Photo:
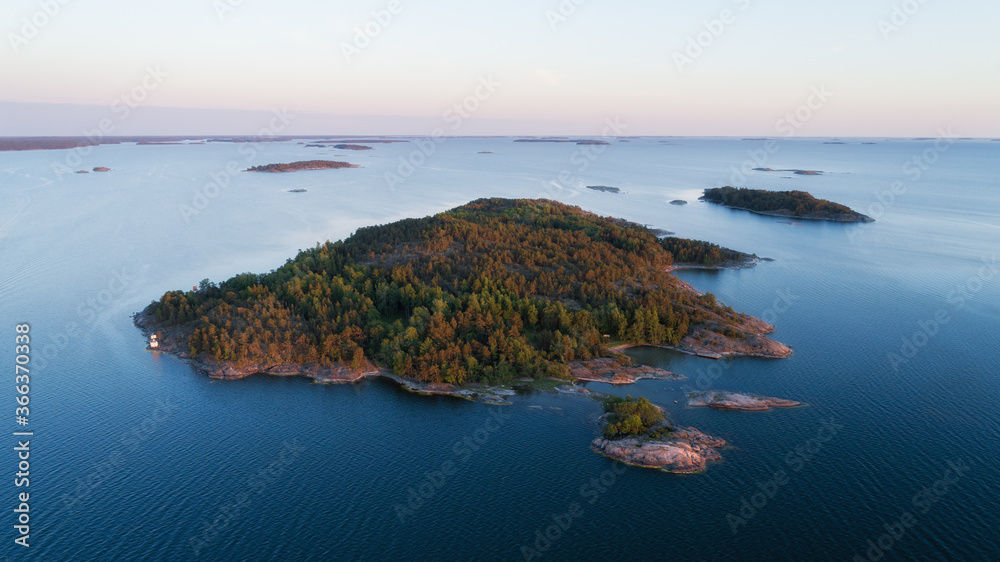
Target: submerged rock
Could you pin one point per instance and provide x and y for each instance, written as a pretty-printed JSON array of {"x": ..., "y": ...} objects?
[{"x": 723, "y": 400}]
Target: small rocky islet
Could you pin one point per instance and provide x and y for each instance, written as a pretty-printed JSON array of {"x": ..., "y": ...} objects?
[{"x": 724, "y": 400}]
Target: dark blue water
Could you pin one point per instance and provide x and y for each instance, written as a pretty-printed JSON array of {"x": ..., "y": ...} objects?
[{"x": 137, "y": 457}]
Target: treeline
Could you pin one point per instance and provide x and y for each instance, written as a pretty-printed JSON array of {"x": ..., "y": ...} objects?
[
  {"x": 490, "y": 291},
  {"x": 630, "y": 417},
  {"x": 798, "y": 203},
  {"x": 699, "y": 252}
]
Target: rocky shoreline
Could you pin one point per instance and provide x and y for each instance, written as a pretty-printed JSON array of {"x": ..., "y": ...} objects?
[
  {"x": 611, "y": 372},
  {"x": 746, "y": 263},
  {"x": 704, "y": 342},
  {"x": 786, "y": 214},
  {"x": 679, "y": 450},
  {"x": 789, "y": 215},
  {"x": 172, "y": 340},
  {"x": 683, "y": 450}
]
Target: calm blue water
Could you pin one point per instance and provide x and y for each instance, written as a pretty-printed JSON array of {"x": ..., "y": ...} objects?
[{"x": 137, "y": 457}]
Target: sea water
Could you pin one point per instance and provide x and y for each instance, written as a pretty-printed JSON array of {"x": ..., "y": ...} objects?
[{"x": 894, "y": 326}]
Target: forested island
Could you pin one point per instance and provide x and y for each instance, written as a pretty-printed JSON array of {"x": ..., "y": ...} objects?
[
  {"x": 300, "y": 166},
  {"x": 489, "y": 292},
  {"x": 798, "y": 204}
]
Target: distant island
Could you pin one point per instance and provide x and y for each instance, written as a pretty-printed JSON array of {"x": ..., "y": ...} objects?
[
  {"x": 300, "y": 166},
  {"x": 797, "y": 204},
  {"x": 794, "y": 171},
  {"x": 62, "y": 143},
  {"x": 352, "y": 147},
  {"x": 604, "y": 188},
  {"x": 369, "y": 141},
  {"x": 487, "y": 293},
  {"x": 565, "y": 140}
]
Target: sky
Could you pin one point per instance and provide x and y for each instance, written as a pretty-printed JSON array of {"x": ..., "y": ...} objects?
[{"x": 883, "y": 68}]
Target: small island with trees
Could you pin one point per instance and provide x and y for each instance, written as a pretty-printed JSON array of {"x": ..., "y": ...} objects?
[
  {"x": 300, "y": 166},
  {"x": 797, "y": 204},
  {"x": 636, "y": 432}
]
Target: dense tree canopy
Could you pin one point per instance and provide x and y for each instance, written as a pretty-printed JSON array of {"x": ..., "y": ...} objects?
[
  {"x": 630, "y": 416},
  {"x": 687, "y": 251},
  {"x": 489, "y": 291}
]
